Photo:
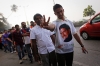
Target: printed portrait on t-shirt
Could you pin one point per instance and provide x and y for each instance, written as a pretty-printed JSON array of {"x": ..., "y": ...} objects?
[{"x": 65, "y": 32}]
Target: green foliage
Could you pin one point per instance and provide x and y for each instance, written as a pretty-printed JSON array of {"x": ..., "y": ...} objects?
[
  {"x": 88, "y": 11},
  {"x": 4, "y": 25},
  {"x": 80, "y": 21},
  {"x": 14, "y": 8}
]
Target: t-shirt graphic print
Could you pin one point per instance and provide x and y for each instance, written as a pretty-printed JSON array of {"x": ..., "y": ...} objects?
[{"x": 65, "y": 32}]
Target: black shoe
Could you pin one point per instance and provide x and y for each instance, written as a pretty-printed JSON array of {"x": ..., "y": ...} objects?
[
  {"x": 1, "y": 48},
  {"x": 31, "y": 61},
  {"x": 5, "y": 51}
]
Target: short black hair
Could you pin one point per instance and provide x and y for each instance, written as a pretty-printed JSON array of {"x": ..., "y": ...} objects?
[
  {"x": 37, "y": 15},
  {"x": 13, "y": 27},
  {"x": 64, "y": 26},
  {"x": 16, "y": 26},
  {"x": 5, "y": 30},
  {"x": 10, "y": 29},
  {"x": 56, "y": 6},
  {"x": 31, "y": 22},
  {"x": 22, "y": 22}
]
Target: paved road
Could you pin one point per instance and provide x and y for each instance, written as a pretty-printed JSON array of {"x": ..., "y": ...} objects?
[
  {"x": 90, "y": 59},
  {"x": 80, "y": 59}
]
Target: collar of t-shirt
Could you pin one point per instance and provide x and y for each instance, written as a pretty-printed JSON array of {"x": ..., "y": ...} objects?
[
  {"x": 61, "y": 19},
  {"x": 38, "y": 26}
]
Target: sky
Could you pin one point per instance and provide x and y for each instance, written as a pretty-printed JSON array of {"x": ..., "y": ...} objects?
[{"x": 73, "y": 9}]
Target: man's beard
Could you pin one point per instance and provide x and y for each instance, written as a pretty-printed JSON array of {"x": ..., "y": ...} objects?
[{"x": 24, "y": 26}]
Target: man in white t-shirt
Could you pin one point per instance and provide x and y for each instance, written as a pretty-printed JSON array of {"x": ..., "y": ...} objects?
[
  {"x": 26, "y": 35},
  {"x": 42, "y": 43},
  {"x": 32, "y": 24},
  {"x": 65, "y": 31}
]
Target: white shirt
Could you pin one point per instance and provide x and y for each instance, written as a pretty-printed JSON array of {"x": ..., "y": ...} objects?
[
  {"x": 67, "y": 43},
  {"x": 27, "y": 39},
  {"x": 43, "y": 39}
]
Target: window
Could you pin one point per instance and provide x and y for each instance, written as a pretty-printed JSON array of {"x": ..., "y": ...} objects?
[{"x": 96, "y": 19}]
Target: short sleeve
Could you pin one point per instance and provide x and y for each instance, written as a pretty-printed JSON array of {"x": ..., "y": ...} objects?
[
  {"x": 51, "y": 33},
  {"x": 73, "y": 28},
  {"x": 32, "y": 34},
  {"x": 54, "y": 22},
  {"x": 5, "y": 36}
]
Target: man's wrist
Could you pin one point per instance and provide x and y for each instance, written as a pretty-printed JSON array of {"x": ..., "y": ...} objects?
[{"x": 82, "y": 45}]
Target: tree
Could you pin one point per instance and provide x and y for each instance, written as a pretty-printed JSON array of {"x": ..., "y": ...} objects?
[
  {"x": 3, "y": 19},
  {"x": 14, "y": 8},
  {"x": 88, "y": 11},
  {"x": 3, "y": 23}
]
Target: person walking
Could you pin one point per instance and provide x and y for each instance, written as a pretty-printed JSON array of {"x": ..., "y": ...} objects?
[
  {"x": 26, "y": 35},
  {"x": 18, "y": 39}
]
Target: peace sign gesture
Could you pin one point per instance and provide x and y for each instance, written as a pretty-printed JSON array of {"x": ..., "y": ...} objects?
[{"x": 45, "y": 24}]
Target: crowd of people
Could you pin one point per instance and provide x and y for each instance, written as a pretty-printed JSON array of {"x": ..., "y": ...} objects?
[
  {"x": 49, "y": 44},
  {"x": 17, "y": 40}
]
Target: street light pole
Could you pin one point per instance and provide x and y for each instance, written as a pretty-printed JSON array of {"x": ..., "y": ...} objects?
[
  {"x": 25, "y": 12},
  {"x": 54, "y": 2},
  {"x": 26, "y": 17}
]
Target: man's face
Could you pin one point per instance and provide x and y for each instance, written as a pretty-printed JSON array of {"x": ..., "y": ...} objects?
[
  {"x": 11, "y": 31},
  {"x": 17, "y": 28},
  {"x": 64, "y": 33},
  {"x": 13, "y": 28},
  {"x": 23, "y": 25},
  {"x": 39, "y": 20},
  {"x": 59, "y": 12},
  {"x": 32, "y": 23},
  {"x": 5, "y": 31}
]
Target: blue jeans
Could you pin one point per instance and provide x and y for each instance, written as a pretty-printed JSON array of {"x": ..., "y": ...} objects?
[
  {"x": 20, "y": 50},
  {"x": 28, "y": 49},
  {"x": 5, "y": 44},
  {"x": 6, "y": 48},
  {"x": 10, "y": 46}
]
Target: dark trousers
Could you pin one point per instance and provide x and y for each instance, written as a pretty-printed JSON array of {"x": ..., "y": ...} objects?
[
  {"x": 1, "y": 46},
  {"x": 49, "y": 59},
  {"x": 28, "y": 49},
  {"x": 65, "y": 59}
]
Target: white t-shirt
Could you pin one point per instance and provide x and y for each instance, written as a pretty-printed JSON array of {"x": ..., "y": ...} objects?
[
  {"x": 27, "y": 39},
  {"x": 43, "y": 39},
  {"x": 61, "y": 39}
]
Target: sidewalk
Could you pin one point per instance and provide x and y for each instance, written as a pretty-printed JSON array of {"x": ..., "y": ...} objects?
[{"x": 8, "y": 59}]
